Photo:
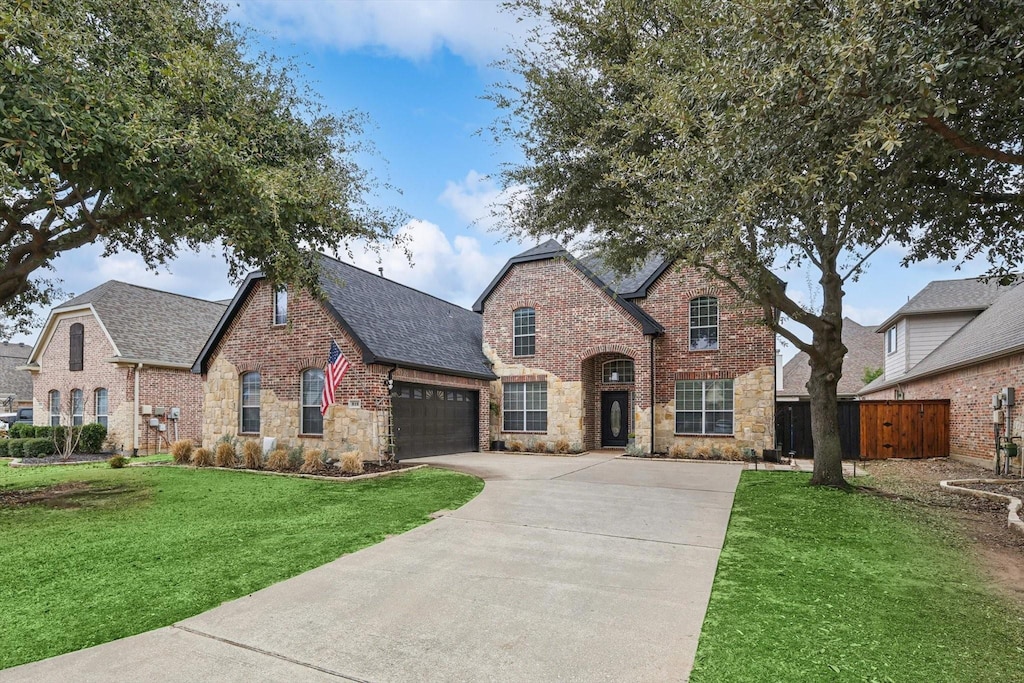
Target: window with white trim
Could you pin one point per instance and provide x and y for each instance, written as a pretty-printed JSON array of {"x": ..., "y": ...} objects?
[
  {"x": 617, "y": 371},
  {"x": 77, "y": 407},
  {"x": 890, "y": 340},
  {"x": 525, "y": 407},
  {"x": 54, "y": 408},
  {"x": 250, "y": 413},
  {"x": 280, "y": 306},
  {"x": 524, "y": 332},
  {"x": 312, "y": 396},
  {"x": 100, "y": 401},
  {"x": 704, "y": 323},
  {"x": 704, "y": 406}
]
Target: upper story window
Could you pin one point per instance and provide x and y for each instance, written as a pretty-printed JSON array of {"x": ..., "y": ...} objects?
[
  {"x": 704, "y": 323},
  {"x": 101, "y": 406},
  {"x": 250, "y": 415},
  {"x": 77, "y": 350},
  {"x": 54, "y": 408},
  {"x": 617, "y": 371},
  {"x": 280, "y": 306},
  {"x": 312, "y": 397},
  {"x": 890, "y": 340},
  {"x": 524, "y": 332}
]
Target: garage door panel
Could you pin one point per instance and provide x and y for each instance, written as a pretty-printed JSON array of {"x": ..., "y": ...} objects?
[{"x": 432, "y": 420}]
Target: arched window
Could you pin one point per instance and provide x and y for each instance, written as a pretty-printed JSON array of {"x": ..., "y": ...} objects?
[
  {"x": 77, "y": 407},
  {"x": 312, "y": 393},
  {"x": 620, "y": 370},
  {"x": 704, "y": 323},
  {"x": 54, "y": 408},
  {"x": 250, "y": 414},
  {"x": 524, "y": 328},
  {"x": 77, "y": 350},
  {"x": 100, "y": 401}
]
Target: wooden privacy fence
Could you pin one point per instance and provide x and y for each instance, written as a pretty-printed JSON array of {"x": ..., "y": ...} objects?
[
  {"x": 904, "y": 429},
  {"x": 793, "y": 428}
]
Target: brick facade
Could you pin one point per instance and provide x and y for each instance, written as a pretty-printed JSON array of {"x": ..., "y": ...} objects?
[
  {"x": 280, "y": 353},
  {"x": 969, "y": 391},
  {"x": 579, "y": 327}
]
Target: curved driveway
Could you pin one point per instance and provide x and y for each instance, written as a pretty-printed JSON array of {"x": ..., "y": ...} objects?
[{"x": 570, "y": 569}]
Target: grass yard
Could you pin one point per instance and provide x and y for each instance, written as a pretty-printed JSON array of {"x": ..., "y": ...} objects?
[
  {"x": 111, "y": 553},
  {"x": 820, "y": 585}
]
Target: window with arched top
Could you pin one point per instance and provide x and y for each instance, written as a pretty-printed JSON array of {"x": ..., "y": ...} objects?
[
  {"x": 617, "y": 371},
  {"x": 54, "y": 397},
  {"x": 250, "y": 413},
  {"x": 77, "y": 407},
  {"x": 704, "y": 323},
  {"x": 100, "y": 401},
  {"x": 76, "y": 352},
  {"x": 312, "y": 397},
  {"x": 524, "y": 332}
]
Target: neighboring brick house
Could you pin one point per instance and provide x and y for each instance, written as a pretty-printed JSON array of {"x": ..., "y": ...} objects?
[
  {"x": 961, "y": 340},
  {"x": 572, "y": 343},
  {"x": 15, "y": 383},
  {"x": 122, "y": 355},
  {"x": 415, "y": 359}
]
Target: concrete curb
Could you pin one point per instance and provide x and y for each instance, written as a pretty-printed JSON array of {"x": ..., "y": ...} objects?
[
  {"x": 1013, "y": 505},
  {"x": 713, "y": 462},
  {"x": 541, "y": 455},
  {"x": 297, "y": 475},
  {"x": 17, "y": 462}
]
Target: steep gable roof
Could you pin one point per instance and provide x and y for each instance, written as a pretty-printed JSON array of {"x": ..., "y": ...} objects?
[
  {"x": 949, "y": 296},
  {"x": 553, "y": 250},
  {"x": 864, "y": 350},
  {"x": 146, "y": 324},
  {"x": 393, "y": 324}
]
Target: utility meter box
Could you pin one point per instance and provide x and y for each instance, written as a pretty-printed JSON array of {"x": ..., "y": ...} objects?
[
  {"x": 153, "y": 422},
  {"x": 174, "y": 413},
  {"x": 163, "y": 428},
  {"x": 146, "y": 410},
  {"x": 1008, "y": 396},
  {"x": 997, "y": 417},
  {"x": 159, "y": 411}
]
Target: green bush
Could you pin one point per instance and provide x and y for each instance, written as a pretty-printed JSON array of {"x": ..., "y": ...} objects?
[
  {"x": 43, "y": 432},
  {"x": 16, "y": 448},
  {"x": 93, "y": 436},
  {"x": 118, "y": 461},
  {"x": 3, "y": 447},
  {"x": 21, "y": 430},
  {"x": 37, "y": 448},
  {"x": 58, "y": 434}
]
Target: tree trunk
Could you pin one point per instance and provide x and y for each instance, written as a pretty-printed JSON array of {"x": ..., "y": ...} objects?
[{"x": 828, "y": 455}]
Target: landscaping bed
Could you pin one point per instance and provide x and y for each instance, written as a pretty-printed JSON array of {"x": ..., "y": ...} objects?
[{"x": 75, "y": 459}]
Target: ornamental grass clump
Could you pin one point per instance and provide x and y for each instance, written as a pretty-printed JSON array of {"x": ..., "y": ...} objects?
[
  {"x": 181, "y": 451},
  {"x": 252, "y": 455},
  {"x": 515, "y": 445},
  {"x": 561, "y": 446},
  {"x": 312, "y": 462},
  {"x": 678, "y": 450},
  {"x": 202, "y": 457},
  {"x": 278, "y": 460},
  {"x": 731, "y": 452},
  {"x": 351, "y": 462},
  {"x": 226, "y": 454}
]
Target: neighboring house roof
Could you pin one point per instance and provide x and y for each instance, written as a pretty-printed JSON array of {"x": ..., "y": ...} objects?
[
  {"x": 13, "y": 380},
  {"x": 553, "y": 250},
  {"x": 145, "y": 325},
  {"x": 865, "y": 349},
  {"x": 948, "y": 296},
  {"x": 393, "y": 324},
  {"x": 997, "y": 331}
]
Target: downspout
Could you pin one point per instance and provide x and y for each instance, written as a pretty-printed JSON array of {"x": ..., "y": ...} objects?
[
  {"x": 135, "y": 418},
  {"x": 652, "y": 394}
]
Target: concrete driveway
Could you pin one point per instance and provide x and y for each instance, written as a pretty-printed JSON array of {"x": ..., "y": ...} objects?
[{"x": 569, "y": 569}]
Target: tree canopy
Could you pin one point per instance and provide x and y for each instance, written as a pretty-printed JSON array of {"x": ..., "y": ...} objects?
[
  {"x": 145, "y": 126},
  {"x": 751, "y": 138}
]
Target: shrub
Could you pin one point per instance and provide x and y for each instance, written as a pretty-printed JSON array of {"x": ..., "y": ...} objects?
[
  {"x": 312, "y": 462},
  {"x": 515, "y": 445},
  {"x": 576, "y": 448},
  {"x": 118, "y": 461},
  {"x": 202, "y": 457},
  {"x": 295, "y": 458},
  {"x": 678, "y": 450},
  {"x": 561, "y": 446},
  {"x": 252, "y": 455},
  {"x": 21, "y": 430},
  {"x": 36, "y": 448},
  {"x": 113, "y": 442},
  {"x": 226, "y": 454},
  {"x": 731, "y": 452},
  {"x": 181, "y": 451},
  {"x": 702, "y": 452},
  {"x": 716, "y": 453},
  {"x": 44, "y": 432},
  {"x": 93, "y": 436},
  {"x": 16, "y": 448},
  {"x": 351, "y": 462},
  {"x": 540, "y": 447},
  {"x": 3, "y": 447},
  {"x": 278, "y": 460},
  {"x": 635, "y": 450}
]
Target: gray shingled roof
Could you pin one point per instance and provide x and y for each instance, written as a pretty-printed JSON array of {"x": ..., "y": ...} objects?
[
  {"x": 944, "y": 296},
  {"x": 152, "y": 325},
  {"x": 864, "y": 350},
  {"x": 12, "y": 380},
  {"x": 543, "y": 249},
  {"x": 626, "y": 284},
  {"x": 398, "y": 324}
]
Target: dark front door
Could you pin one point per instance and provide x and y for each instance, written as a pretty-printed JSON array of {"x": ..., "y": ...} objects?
[{"x": 614, "y": 418}]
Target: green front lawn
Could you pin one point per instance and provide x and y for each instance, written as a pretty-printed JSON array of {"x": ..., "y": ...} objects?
[
  {"x": 819, "y": 585},
  {"x": 130, "y": 550}
]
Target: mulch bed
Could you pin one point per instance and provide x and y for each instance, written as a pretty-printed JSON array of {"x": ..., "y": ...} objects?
[
  {"x": 48, "y": 494},
  {"x": 75, "y": 459},
  {"x": 369, "y": 467},
  {"x": 1013, "y": 488}
]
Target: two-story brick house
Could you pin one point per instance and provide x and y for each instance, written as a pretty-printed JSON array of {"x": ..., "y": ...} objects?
[{"x": 587, "y": 355}]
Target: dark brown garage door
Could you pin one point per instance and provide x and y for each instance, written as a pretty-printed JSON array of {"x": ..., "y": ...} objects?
[{"x": 433, "y": 420}]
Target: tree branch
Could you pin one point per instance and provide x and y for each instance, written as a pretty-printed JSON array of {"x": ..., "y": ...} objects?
[{"x": 960, "y": 143}]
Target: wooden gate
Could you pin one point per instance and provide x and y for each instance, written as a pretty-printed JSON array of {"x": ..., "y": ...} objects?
[
  {"x": 904, "y": 429},
  {"x": 793, "y": 428}
]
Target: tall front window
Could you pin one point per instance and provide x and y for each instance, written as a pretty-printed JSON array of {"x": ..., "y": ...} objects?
[
  {"x": 890, "y": 340},
  {"x": 525, "y": 407},
  {"x": 77, "y": 350},
  {"x": 77, "y": 407},
  {"x": 280, "y": 306},
  {"x": 312, "y": 391},
  {"x": 100, "y": 401},
  {"x": 704, "y": 406},
  {"x": 250, "y": 403},
  {"x": 704, "y": 323},
  {"x": 54, "y": 408},
  {"x": 524, "y": 326}
]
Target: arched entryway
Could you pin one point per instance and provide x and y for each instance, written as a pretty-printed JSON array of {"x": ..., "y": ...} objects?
[{"x": 609, "y": 381}]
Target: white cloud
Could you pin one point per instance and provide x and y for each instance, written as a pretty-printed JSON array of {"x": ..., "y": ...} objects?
[
  {"x": 475, "y": 198},
  {"x": 477, "y": 31}
]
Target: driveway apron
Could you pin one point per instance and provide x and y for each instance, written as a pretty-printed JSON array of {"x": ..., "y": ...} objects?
[{"x": 563, "y": 569}]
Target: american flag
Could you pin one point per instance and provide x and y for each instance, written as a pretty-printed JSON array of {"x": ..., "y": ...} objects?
[{"x": 337, "y": 366}]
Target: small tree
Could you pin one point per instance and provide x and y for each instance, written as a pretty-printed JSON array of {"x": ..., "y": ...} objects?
[{"x": 67, "y": 435}]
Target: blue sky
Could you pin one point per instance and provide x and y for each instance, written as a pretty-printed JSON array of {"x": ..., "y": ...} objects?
[{"x": 419, "y": 69}]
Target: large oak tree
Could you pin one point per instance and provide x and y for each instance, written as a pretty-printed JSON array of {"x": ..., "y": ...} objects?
[
  {"x": 144, "y": 125},
  {"x": 759, "y": 137}
]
